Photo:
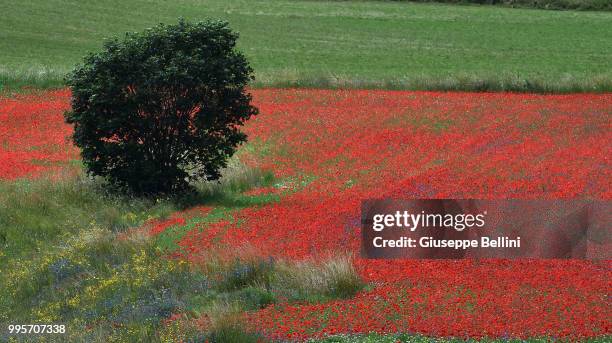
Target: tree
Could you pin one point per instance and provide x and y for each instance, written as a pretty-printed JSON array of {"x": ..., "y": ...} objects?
[{"x": 163, "y": 107}]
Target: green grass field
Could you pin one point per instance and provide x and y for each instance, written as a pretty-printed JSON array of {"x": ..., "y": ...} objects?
[
  {"x": 359, "y": 44},
  {"x": 75, "y": 253}
]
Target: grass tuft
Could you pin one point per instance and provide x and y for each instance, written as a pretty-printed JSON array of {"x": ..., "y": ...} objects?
[
  {"x": 269, "y": 280},
  {"x": 241, "y": 274},
  {"x": 227, "y": 326},
  {"x": 315, "y": 281}
]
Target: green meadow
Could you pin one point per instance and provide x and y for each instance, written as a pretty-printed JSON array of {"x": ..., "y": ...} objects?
[
  {"x": 76, "y": 253},
  {"x": 356, "y": 44}
]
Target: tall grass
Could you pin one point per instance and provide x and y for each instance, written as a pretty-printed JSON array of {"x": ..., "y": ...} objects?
[
  {"x": 332, "y": 278},
  {"x": 462, "y": 82},
  {"x": 249, "y": 283},
  {"x": 37, "y": 213},
  {"x": 37, "y": 77},
  {"x": 310, "y": 280}
]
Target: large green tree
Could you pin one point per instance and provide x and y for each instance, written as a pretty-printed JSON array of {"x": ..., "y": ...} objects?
[{"x": 160, "y": 108}]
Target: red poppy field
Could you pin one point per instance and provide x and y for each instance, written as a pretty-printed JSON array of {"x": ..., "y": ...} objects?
[{"x": 330, "y": 149}]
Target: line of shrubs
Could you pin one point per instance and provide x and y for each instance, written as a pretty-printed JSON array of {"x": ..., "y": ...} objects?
[{"x": 584, "y": 5}]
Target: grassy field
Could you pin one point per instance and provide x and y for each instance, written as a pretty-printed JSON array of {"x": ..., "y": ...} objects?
[
  {"x": 118, "y": 268},
  {"x": 359, "y": 44},
  {"x": 66, "y": 255}
]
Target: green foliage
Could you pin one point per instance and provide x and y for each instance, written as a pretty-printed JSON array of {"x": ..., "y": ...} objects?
[
  {"x": 241, "y": 274},
  {"x": 585, "y": 5},
  {"x": 250, "y": 298},
  {"x": 161, "y": 108},
  {"x": 232, "y": 333},
  {"x": 256, "y": 298}
]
